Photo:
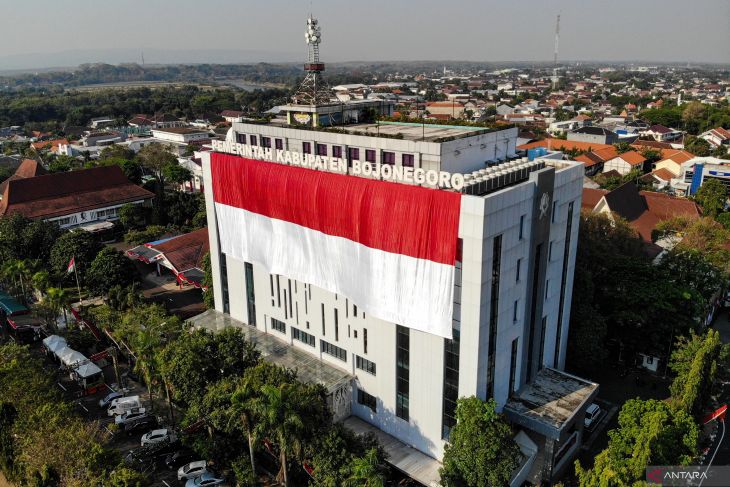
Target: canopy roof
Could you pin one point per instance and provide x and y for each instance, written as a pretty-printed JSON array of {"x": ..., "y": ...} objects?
[
  {"x": 10, "y": 306},
  {"x": 54, "y": 343}
]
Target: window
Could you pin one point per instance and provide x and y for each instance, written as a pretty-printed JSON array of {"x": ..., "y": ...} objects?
[
  {"x": 224, "y": 284},
  {"x": 547, "y": 288},
  {"x": 250, "y": 295},
  {"x": 517, "y": 271},
  {"x": 542, "y": 341},
  {"x": 533, "y": 309},
  {"x": 253, "y": 140},
  {"x": 402, "y": 387},
  {"x": 494, "y": 313},
  {"x": 241, "y": 138},
  {"x": 388, "y": 157},
  {"x": 370, "y": 155},
  {"x": 323, "y": 323},
  {"x": 333, "y": 350},
  {"x": 513, "y": 366},
  {"x": 555, "y": 211},
  {"x": 277, "y": 325},
  {"x": 365, "y": 340},
  {"x": 407, "y": 160},
  {"x": 302, "y": 336},
  {"x": 514, "y": 310},
  {"x": 354, "y": 310},
  {"x": 365, "y": 364},
  {"x": 366, "y": 400},
  {"x": 353, "y": 154},
  {"x": 563, "y": 279},
  {"x": 279, "y": 144},
  {"x": 321, "y": 149},
  {"x": 266, "y": 142},
  {"x": 451, "y": 383},
  {"x": 336, "y": 151},
  {"x": 550, "y": 251},
  {"x": 307, "y": 147},
  {"x": 337, "y": 325},
  {"x": 522, "y": 226}
]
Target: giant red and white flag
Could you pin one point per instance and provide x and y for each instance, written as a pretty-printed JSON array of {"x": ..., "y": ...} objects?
[{"x": 391, "y": 248}]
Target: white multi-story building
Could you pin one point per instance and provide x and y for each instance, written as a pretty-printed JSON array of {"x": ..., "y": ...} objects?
[
  {"x": 309, "y": 257},
  {"x": 517, "y": 229}
]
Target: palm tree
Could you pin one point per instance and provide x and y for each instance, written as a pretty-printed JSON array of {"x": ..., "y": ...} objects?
[
  {"x": 366, "y": 471},
  {"x": 146, "y": 343},
  {"x": 40, "y": 281},
  {"x": 244, "y": 407},
  {"x": 21, "y": 268},
  {"x": 280, "y": 416},
  {"x": 57, "y": 299}
]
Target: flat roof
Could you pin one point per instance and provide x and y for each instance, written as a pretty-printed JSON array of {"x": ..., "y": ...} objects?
[
  {"x": 309, "y": 368},
  {"x": 550, "y": 401},
  {"x": 181, "y": 130},
  {"x": 407, "y": 459},
  {"x": 414, "y": 131}
]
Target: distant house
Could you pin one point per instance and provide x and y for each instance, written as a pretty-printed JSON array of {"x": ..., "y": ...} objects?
[
  {"x": 452, "y": 108},
  {"x": 181, "y": 135},
  {"x": 50, "y": 145},
  {"x": 72, "y": 199},
  {"x": 644, "y": 210},
  {"x": 625, "y": 163},
  {"x": 599, "y": 135},
  {"x": 156, "y": 121},
  {"x": 717, "y": 137},
  {"x": 231, "y": 115},
  {"x": 29, "y": 168},
  {"x": 101, "y": 122},
  {"x": 662, "y": 133},
  {"x": 503, "y": 109}
]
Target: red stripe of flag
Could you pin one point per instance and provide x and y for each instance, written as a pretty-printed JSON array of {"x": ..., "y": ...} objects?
[{"x": 398, "y": 218}]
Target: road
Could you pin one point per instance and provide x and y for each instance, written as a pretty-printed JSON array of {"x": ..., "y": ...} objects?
[{"x": 722, "y": 324}]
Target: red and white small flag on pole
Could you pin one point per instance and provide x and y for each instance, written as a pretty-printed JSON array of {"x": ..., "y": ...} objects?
[{"x": 71, "y": 265}]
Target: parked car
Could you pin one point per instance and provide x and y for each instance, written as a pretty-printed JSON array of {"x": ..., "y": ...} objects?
[
  {"x": 180, "y": 457},
  {"x": 131, "y": 418},
  {"x": 193, "y": 470},
  {"x": 592, "y": 414},
  {"x": 104, "y": 402},
  {"x": 145, "y": 423},
  {"x": 158, "y": 436},
  {"x": 121, "y": 405},
  {"x": 205, "y": 480},
  {"x": 145, "y": 458}
]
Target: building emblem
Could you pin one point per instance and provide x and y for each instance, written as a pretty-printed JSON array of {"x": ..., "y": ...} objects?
[{"x": 544, "y": 205}]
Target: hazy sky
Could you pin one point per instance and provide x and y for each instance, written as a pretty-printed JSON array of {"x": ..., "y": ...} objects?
[{"x": 479, "y": 30}]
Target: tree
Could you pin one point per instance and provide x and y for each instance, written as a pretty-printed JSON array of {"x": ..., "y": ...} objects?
[
  {"x": 289, "y": 414},
  {"x": 82, "y": 246},
  {"x": 724, "y": 219},
  {"x": 692, "y": 115},
  {"x": 63, "y": 163},
  {"x": 116, "y": 151},
  {"x": 56, "y": 300},
  {"x": 697, "y": 146},
  {"x": 622, "y": 147},
  {"x": 41, "y": 281},
  {"x": 367, "y": 471},
  {"x": 130, "y": 167},
  {"x": 182, "y": 207},
  {"x": 22, "y": 238},
  {"x": 696, "y": 361},
  {"x": 481, "y": 450},
  {"x": 133, "y": 216},
  {"x": 649, "y": 433},
  {"x": 110, "y": 267},
  {"x": 199, "y": 358},
  {"x": 156, "y": 157},
  {"x": 176, "y": 173},
  {"x": 711, "y": 196},
  {"x": 208, "y": 298}
]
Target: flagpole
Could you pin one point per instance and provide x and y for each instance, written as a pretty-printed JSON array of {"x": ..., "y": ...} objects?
[{"x": 76, "y": 273}]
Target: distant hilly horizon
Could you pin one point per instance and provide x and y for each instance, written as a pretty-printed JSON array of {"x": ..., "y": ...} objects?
[{"x": 71, "y": 59}]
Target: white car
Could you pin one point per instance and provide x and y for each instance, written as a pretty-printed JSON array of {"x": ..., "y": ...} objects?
[
  {"x": 158, "y": 436},
  {"x": 103, "y": 403},
  {"x": 592, "y": 414},
  {"x": 192, "y": 470},
  {"x": 130, "y": 417},
  {"x": 205, "y": 480}
]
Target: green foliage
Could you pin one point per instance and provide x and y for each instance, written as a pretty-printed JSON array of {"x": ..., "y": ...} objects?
[
  {"x": 199, "y": 358},
  {"x": 125, "y": 477},
  {"x": 21, "y": 238},
  {"x": 208, "y": 297},
  {"x": 694, "y": 117},
  {"x": 724, "y": 219},
  {"x": 133, "y": 217},
  {"x": 649, "y": 433},
  {"x": 149, "y": 234},
  {"x": 176, "y": 173},
  {"x": 182, "y": 208},
  {"x": 611, "y": 182},
  {"x": 130, "y": 167},
  {"x": 697, "y": 146},
  {"x": 481, "y": 450},
  {"x": 63, "y": 163},
  {"x": 110, "y": 267},
  {"x": 81, "y": 245},
  {"x": 695, "y": 360},
  {"x": 711, "y": 196}
]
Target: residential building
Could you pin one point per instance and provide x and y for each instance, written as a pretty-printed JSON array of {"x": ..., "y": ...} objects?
[
  {"x": 694, "y": 172},
  {"x": 181, "y": 135},
  {"x": 73, "y": 199},
  {"x": 625, "y": 162},
  {"x": 594, "y": 134},
  {"x": 29, "y": 168},
  {"x": 717, "y": 137},
  {"x": 661, "y": 133},
  {"x": 231, "y": 115}
]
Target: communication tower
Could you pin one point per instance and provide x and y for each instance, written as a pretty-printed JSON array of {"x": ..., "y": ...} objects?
[{"x": 313, "y": 90}]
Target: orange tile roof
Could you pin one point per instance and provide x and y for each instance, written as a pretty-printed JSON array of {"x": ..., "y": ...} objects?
[
  {"x": 678, "y": 156},
  {"x": 558, "y": 144},
  {"x": 591, "y": 197},
  {"x": 46, "y": 143},
  {"x": 633, "y": 158},
  {"x": 606, "y": 153},
  {"x": 664, "y": 174}
]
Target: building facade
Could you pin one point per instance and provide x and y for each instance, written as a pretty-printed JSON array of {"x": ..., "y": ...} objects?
[{"x": 517, "y": 232}]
